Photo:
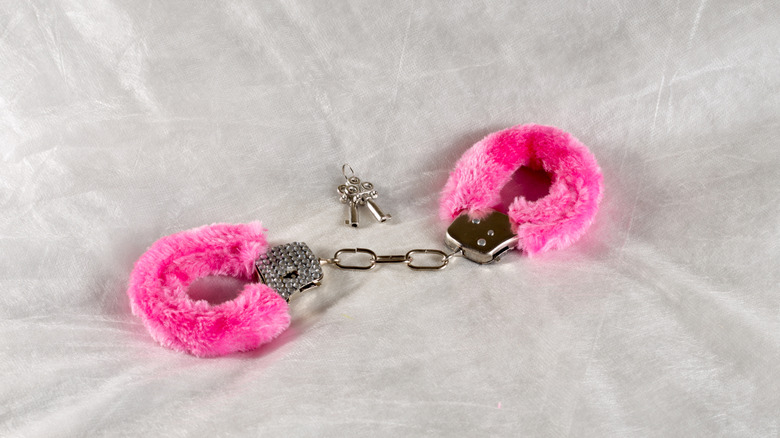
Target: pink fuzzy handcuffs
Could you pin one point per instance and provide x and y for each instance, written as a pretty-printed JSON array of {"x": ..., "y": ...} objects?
[
  {"x": 161, "y": 277},
  {"x": 552, "y": 222}
]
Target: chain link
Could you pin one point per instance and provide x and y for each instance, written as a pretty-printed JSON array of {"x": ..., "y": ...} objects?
[{"x": 372, "y": 259}]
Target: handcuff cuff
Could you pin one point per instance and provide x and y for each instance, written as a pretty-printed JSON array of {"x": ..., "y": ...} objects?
[{"x": 162, "y": 275}]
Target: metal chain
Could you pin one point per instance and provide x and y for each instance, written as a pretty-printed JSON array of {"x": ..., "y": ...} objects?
[{"x": 408, "y": 259}]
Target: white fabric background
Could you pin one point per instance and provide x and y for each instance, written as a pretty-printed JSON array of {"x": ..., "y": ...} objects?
[{"x": 124, "y": 121}]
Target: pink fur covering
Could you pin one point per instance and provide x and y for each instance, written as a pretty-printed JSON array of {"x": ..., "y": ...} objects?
[
  {"x": 552, "y": 222},
  {"x": 159, "y": 282}
]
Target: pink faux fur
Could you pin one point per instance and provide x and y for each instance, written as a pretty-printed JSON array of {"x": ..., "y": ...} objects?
[
  {"x": 552, "y": 222},
  {"x": 159, "y": 282}
]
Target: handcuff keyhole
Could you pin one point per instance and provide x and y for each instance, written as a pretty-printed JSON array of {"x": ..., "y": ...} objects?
[{"x": 291, "y": 275}]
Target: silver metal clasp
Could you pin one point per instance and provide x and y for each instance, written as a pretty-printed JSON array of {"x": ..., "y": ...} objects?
[
  {"x": 482, "y": 240},
  {"x": 289, "y": 269}
]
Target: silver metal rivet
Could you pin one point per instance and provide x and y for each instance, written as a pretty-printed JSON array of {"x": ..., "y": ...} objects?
[
  {"x": 481, "y": 242},
  {"x": 491, "y": 232}
]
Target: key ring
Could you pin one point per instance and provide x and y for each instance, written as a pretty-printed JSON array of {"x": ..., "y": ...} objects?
[
  {"x": 161, "y": 276},
  {"x": 344, "y": 171}
]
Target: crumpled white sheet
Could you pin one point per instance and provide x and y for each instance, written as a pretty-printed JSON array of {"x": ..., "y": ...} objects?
[{"x": 124, "y": 121}]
